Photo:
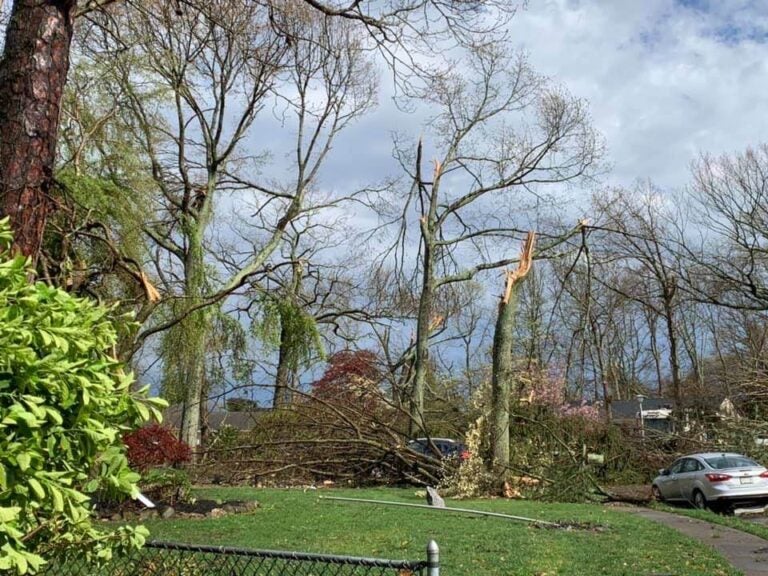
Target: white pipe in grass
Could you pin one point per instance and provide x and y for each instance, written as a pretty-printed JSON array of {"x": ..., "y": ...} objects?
[{"x": 461, "y": 510}]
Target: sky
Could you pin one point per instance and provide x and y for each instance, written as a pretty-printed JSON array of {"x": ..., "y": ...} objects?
[{"x": 665, "y": 80}]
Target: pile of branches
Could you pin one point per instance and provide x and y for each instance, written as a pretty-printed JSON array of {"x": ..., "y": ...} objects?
[{"x": 353, "y": 439}]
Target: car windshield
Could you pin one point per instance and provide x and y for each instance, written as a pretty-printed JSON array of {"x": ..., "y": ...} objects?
[
  {"x": 444, "y": 447},
  {"x": 730, "y": 461}
]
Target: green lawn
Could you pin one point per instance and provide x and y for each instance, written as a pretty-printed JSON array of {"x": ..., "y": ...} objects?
[{"x": 295, "y": 520}]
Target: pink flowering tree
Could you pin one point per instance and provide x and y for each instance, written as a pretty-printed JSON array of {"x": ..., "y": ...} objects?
[{"x": 547, "y": 388}]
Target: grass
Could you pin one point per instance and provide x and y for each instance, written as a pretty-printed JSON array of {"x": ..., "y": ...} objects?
[{"x": 294, "y": 520}]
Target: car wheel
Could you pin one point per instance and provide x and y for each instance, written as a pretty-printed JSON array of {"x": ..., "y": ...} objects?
[
  {"x": 657, "y": 493},
  {"x": 726, "y": 509},
  {"x": 699, "y": 500}
]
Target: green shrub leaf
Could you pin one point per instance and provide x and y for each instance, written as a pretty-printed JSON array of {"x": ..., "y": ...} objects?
[{"x": 65, "y": 403}]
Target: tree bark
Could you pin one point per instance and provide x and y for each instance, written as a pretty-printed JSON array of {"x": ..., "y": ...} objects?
[
  {"x": 283, "y": 395},
  {"x": 501, "y": 380},
  {"x": 503, "y": 359},
  {"x": 670, "y": 288},
  {"x": 287, "y": 361},
  {"x": 196, "y": 329},
  {"x": 33, "y": 72},
  {"x": 423, "y": 322}
]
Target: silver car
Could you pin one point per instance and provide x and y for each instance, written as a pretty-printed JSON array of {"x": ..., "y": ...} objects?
[{"x": 713, "y": 479}]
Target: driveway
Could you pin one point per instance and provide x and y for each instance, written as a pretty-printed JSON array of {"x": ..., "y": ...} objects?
[{"x": 744, "y": 551}]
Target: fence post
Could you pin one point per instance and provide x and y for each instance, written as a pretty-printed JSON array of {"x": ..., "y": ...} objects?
[{"x": 433, "y": 559}]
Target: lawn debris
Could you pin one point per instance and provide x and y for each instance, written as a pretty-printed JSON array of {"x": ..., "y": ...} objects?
[
  {"x": 573, "y": 525},
  {"x": 434, "y": 499},
  {"x": 512, "y": 492}
]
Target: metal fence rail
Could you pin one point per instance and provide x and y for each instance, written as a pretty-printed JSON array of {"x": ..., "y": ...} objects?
[{"x": 170, "y": 559}]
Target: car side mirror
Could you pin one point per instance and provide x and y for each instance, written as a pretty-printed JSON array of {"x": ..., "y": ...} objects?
[{"x": 664, "y": 472}]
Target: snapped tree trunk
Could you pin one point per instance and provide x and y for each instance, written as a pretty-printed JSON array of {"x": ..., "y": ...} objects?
[
  {"x": 421, "y": 360},
  {"x": 33, "y": 71},
  {"x": 503, "y": 359},
  {"x": 424, "y": 320}
]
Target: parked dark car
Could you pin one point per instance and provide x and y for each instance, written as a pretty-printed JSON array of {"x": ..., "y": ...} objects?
[{"x": 439, "y": 448}]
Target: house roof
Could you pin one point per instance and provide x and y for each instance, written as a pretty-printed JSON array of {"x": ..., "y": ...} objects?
[
  {"x": 217, "y": 418},
  {"x": 628, "y": 409}
]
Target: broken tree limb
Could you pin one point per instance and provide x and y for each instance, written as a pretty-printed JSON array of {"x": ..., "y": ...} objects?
[
  {"x": 458, "y": 510},
  {"x": 526, "y": 261}
]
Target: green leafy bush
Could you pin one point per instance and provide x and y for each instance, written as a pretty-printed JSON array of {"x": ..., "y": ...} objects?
[
  {"x": 166, "y": 485},
  {"x": 65, "y": 404}
]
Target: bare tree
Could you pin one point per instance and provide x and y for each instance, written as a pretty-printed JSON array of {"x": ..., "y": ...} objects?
[
  {"x": 219, "y": 66},
  {"x": 503, "y": 135},
  {"x": 35, "y": 61},
  {"x": 308, "y": 302},
  {"x": 728, "y": 249},
  {"x": 202, "y": 59},
  {"x": 640, "y": 236}
]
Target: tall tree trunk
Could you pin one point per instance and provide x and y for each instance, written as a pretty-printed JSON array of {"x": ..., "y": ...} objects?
[
  {"x": 287, "y": 360},
  {"x": 503, "y": 359},
  {"x": 424, "y": 321},
  {"x": 284, "y": 377},
  {"x": 423, "y": 326},
  {"x": 655, "y": 352},
  {"x": 193, "y": 371},
  {"x": 674, "y": 363},
  {"x": 33, "y": 71},
  {"x": 501, "y": 380},
  {"x": 195, "y": 335}
]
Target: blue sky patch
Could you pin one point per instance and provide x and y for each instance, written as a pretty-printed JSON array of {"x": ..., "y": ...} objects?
[{"x": 701, "y": 5}]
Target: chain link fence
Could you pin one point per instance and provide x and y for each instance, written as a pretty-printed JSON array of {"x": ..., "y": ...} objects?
[{"x": 170, "y": 559}]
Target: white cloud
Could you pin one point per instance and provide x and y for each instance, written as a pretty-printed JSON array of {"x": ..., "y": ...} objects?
[{"x": 665, "y": 79}]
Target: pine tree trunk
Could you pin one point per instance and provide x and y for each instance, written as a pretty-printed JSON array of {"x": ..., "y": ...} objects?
[{"x": 33, "y": 72}]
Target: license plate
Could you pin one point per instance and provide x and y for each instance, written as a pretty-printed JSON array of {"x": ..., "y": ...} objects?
[{"x": 746, "y": 480}]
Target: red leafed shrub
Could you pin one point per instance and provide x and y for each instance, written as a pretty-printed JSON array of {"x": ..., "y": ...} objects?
[
  {"x": 155, "y": 445},
  {"x": 352, "y": 376}
]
